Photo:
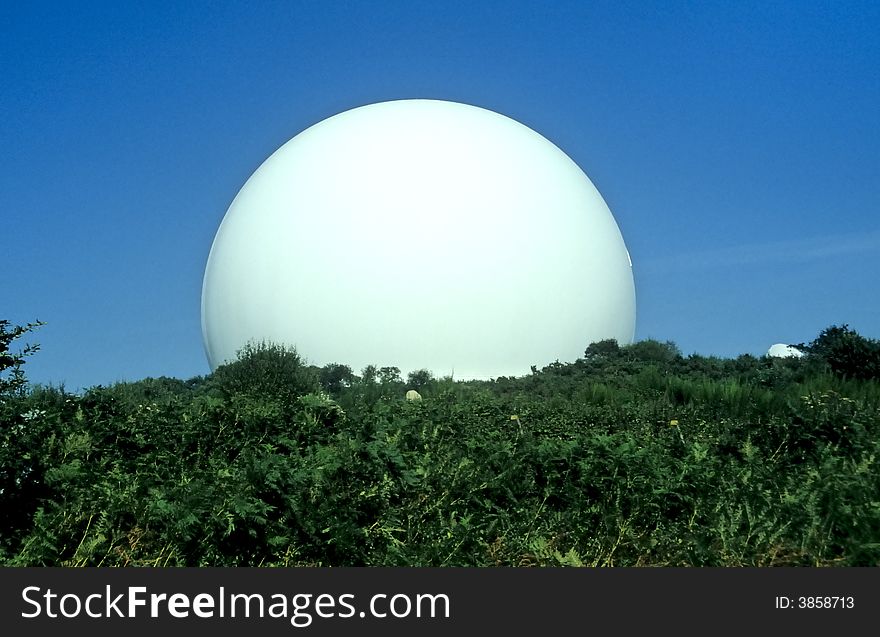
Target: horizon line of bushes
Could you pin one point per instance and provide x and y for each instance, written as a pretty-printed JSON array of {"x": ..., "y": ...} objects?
[{"x": 630, "y": 456}]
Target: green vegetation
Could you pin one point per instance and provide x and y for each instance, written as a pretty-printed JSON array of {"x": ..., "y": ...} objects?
[{"x": 629, "y": 456}]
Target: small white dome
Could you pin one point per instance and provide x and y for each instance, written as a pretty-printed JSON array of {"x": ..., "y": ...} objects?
[{"x": 781, "y": 350}]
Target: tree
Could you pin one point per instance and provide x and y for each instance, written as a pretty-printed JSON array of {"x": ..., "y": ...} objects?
[
  {"x": 21, "y": 435},
  {"x": 389, "y": 375},
  {"x": 652, "y": 351},
  {"x": 335, "y": 377},
  {"x": 419, "y": 378},
  {"x": 368, "y": 374},
  {"x": 267, "y": 369},
  {"x": 11, "y": 362},
  {"x": 846, "y": 352},
  {"x": 604, "y": 349}
]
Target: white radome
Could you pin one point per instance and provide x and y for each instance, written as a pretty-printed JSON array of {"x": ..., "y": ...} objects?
[
  {"x": 419, "y": 234},
  {"x": 781, "y": 350}
]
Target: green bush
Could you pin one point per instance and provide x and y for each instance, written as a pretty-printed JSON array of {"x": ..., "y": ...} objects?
[
  {"x": 847, "y": 353},
  {"x": 265, "y": 369},
  {"x": 613, "y": 460}
]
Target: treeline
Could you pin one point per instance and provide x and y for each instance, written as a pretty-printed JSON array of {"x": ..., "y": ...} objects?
[{"x": 628, "y": 456}]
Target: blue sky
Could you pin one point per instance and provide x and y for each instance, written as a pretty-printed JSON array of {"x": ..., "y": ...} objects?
[{"x": 738, "y": 145}]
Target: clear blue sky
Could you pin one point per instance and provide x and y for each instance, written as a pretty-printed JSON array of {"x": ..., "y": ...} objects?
[{"x": 738, "y": 145}]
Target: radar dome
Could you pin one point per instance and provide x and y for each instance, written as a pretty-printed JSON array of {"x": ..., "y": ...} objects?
[
  {"x": 781, "y": 350},
  {"x": 419, "y": 234}
]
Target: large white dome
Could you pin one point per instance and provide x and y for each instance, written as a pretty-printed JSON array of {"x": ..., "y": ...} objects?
[{"x": 419, "y": 234}]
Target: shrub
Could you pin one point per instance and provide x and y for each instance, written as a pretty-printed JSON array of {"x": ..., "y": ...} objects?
[
  {"x": 847, "y": 353},
  {"x": 266, "y": 369}
]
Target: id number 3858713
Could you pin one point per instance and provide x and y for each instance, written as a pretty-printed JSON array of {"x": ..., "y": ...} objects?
[{"x": 816, "y": 602}]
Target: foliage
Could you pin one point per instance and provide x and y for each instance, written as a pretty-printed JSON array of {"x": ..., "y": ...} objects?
[
  {"x": 607, "y": 348},
  {"x": 847, "y": 353},
  {"x": 630, "y": 456},
  {"x": 334, "y": 377},
  {"x": 21, "y": 431},
  {"x": 266, "y": 369},
  {"x": 11, "y": 362},
  {"x": 651, "y": 351},
  {"x": 388, "y": 375},
  {"x": 419, "y": 379}
]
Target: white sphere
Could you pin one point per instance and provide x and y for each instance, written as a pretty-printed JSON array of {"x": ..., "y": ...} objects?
[
  {"x": 419, "y": 234},
  {"x": 781, "y": 350}
]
